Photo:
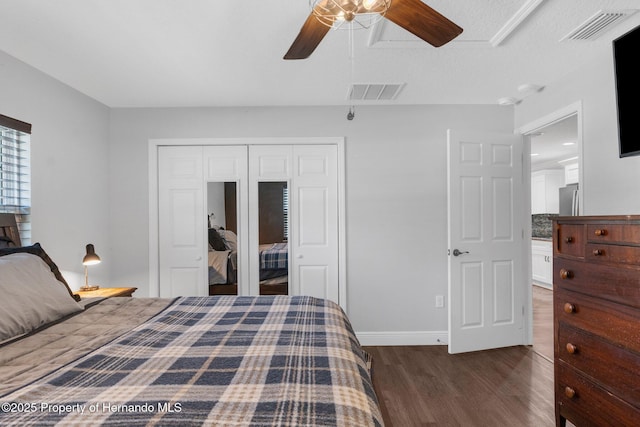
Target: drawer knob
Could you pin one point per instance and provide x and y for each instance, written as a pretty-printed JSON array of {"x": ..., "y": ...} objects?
[
  {"x": 598, "y": 252},
  {"x": 569, "y": 308},
  {"x": 569, "y": 239},
  {"x": 601, "y": 232},
  {"x": 569, "y": 392},
  {"x": 571, "y": 348},
  {"x": 565, "y": 274}
]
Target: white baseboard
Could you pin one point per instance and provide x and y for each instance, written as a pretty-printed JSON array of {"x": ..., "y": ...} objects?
[{"x": 403, "y": 338}]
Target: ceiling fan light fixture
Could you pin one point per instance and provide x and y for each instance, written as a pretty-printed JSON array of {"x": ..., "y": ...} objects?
[{"x": 334, "y": 13}]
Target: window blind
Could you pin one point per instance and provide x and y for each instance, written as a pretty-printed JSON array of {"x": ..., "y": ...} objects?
[
  {"x": 15, "y": 173},
  {"x": 285, "y": 211}
]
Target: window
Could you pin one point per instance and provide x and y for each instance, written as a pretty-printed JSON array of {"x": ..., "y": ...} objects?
[{"x": 15, "y": 173}]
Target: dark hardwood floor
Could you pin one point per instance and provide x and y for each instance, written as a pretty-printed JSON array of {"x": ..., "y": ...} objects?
[
  {"x": 426, "y": 386},
  {"x": 543, "y": 321}
]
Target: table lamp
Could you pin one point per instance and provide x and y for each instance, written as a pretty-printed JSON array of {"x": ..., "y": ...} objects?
[{"x": 89, "y": 259}]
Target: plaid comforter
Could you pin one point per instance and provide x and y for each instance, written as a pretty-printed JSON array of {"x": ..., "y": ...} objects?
[
  {"x": 221, "y": 361},
  {"x": 275, "y": 257}
]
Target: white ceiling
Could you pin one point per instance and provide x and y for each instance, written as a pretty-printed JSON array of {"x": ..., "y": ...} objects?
[
  {"x": 172, "y": 53},
  {"x": 553, "y": 146}
]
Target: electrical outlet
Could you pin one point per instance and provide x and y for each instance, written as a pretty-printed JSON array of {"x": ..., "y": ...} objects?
[{"x": 439, "y": 301}]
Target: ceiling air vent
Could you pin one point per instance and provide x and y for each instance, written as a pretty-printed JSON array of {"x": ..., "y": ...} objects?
[
  {"x": 374, "y": 92},
  {"x": 599, "y": 23}
]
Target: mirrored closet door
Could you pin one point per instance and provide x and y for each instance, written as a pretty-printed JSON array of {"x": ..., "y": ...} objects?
[{"x": 267, "y": 215}]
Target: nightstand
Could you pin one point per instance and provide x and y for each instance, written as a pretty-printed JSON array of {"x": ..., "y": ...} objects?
[{"x": 107, "y": 293}]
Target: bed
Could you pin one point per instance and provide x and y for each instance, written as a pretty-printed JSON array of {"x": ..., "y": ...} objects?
[
  {"x": 218, "y": 360},
  {"x": 223, "y": 263}
]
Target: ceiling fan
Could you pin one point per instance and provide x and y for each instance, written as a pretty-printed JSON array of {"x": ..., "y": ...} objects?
[{"x": 412, "y": 15}]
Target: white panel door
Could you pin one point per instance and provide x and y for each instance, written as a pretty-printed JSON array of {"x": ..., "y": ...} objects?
[
  {"x": 314, "y": 222},
  {"x": 485, "y": 209},
  {"x": 181, "y": 220}
]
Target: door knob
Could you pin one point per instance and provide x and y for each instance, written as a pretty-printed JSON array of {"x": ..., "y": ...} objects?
[
  {"x": 457, "y": 252},
  {"x": 300, "y": 256},
  {"x": 199, "y": 258}
]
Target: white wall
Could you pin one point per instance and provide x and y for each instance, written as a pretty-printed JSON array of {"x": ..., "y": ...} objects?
[
  {"x": 215, "y": 203},
  {"x": 90, "y": 178},
  {"x": 395, "y": 194},
  {"x": 611, "y": 185},
  {"x": 69, "y": 153}
]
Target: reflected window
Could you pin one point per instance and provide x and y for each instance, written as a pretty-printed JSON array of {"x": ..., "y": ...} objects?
[{"x": 285, "y": 210}]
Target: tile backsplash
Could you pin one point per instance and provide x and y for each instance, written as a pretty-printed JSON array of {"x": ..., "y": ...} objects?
[{"x": 541, "y": 225}]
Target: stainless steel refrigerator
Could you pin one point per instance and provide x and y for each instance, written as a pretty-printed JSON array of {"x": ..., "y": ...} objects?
[{"x": 569, "y": 203}]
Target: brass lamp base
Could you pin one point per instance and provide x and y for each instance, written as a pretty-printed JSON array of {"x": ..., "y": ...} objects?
[{"x": 89, "y": 288}]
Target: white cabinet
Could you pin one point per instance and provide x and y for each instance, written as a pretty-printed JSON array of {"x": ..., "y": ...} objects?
[
  {"x": 542, "y": 262},
  {"x": 544, "y": 190},
  {"x": 571, "y": 174}
]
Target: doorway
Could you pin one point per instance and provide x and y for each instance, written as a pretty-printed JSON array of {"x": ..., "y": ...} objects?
[{"x": 554, "y": 144}]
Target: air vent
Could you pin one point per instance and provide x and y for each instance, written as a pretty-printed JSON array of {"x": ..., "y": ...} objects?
[
  {"x": 374, "y": 92},
  {"x": 598, "y": 24}
]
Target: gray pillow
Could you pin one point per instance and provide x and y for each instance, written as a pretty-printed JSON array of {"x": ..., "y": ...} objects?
[
  {"x": 230, "y": 239},
  {"x": 36, "y": 249},
  {"x": 31, "y": 295}
]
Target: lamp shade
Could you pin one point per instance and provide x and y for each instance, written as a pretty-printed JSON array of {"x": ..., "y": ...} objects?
[{"x": 90, "y": 258}]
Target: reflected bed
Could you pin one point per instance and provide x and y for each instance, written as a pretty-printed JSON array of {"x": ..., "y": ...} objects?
[{"x": 223, "y": 265}]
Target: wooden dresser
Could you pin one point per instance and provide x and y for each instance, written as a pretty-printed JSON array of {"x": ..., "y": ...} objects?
[{"x": 596, "y": 298}]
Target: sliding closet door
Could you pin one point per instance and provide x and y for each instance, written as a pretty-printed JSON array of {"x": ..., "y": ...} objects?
[
  {"x": 181, "y": 220},
  {"x": 314, "y": 222}
]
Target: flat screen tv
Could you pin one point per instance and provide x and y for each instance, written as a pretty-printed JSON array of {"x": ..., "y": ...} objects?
[{"x": 625, "y": 54}]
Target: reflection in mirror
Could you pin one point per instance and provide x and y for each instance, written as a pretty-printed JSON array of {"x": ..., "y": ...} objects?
[
  {"x": 273, "y": 226},
  {"x": 222, "y": 235}
]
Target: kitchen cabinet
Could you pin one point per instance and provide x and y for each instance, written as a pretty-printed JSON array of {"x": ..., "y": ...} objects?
[
  {"x": 544, "y": 190},
  {"x": 571, "y": 174},
  {"x": 542, "y": 263}
]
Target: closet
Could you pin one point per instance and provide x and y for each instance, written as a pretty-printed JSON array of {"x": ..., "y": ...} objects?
[{"x": 303, "y": 180}]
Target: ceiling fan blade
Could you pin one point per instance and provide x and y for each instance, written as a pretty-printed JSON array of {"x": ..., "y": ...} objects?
[
  {"x": 423, "y": 21},
  {"x": 310, "y": 36}
]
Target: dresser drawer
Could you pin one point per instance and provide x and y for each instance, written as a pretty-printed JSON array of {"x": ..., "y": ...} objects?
[
  {"x": 587, "y": 404},
  {"x": 569, "y": 240},
  {"x": 619, "y": 284},
  {"x": 613, "y": 233},
  {"x": 614, "y": 367},
  {"x": 614, "y": 254},
  {"x": 618, "y": 323}
]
